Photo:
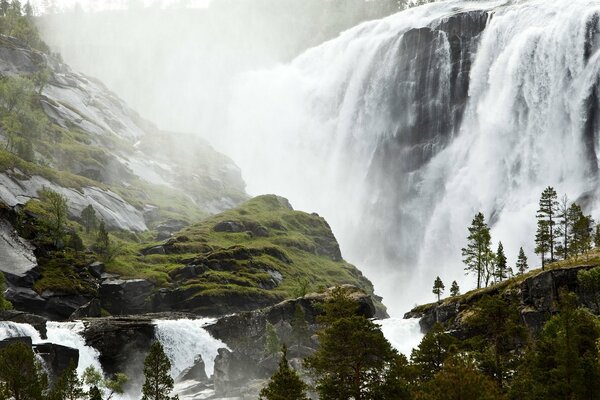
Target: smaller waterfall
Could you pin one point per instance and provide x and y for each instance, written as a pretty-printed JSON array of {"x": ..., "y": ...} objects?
[
  {"x": 62, "y": 333},
  {"x": 403, "y": 334},
  {"x": 185, "y": 339},
  {"x": 69, "y": 334},
  {"x": 10, "y": 329}
]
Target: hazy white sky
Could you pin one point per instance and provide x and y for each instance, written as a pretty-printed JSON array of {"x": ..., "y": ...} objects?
[{"x": 97, "y": 5}]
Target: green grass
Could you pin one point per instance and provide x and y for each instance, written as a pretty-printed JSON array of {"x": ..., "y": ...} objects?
[{"x": 242, "y": 259}]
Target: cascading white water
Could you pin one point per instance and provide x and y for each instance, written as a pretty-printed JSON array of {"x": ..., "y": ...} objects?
[
  {"x": 62, "y": 333},
  {"x": 403, "y": 334},
  {"x": 10, "y": 329},
  {"x": 184, "y": 340},
  {"x": 371, "y": 130},
  {"x": 69, "y": 334}
]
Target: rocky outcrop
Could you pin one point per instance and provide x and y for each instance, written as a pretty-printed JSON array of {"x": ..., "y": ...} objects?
[
  {"x": 244, "y": 366},
  {"x": 121, "y": 342},
  {"x": 49, "y": 304},
  {"x": 56, "y": 358},
  {"x": 539, "y": 296},
  {"x": 38, "y": 322},
  {"x": 124, "y": 297}
]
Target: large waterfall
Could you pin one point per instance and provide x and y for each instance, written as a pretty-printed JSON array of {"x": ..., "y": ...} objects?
[{"x": 400, "y": 130}]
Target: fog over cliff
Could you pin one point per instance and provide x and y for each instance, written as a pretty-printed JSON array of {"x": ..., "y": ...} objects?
[{"x": 397, "y": 131}]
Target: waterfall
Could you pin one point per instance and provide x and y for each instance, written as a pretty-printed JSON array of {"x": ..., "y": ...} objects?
[
  {"x": 10, "y": 329},
  {"x": 399, "y": 130},
  {"x": 69, "y": 334},
  {"x": 403, "y": 334},
  {"x": 63, "y": 333},
  {"x": 184, "y": 340}
]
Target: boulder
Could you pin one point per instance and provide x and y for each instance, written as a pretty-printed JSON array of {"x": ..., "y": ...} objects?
[
  {"x": 56, "y": 358},
  {"x": 121, "y": 342},
  {"x": 196, "y": 372},
  {"x": 93, "y": 309},
  {"x": 20, "y": 339},
  {"x": 232, "y": 370},
  {"x": 122, "y": 297},
  {"x": 96, "y": 269},
  {"x": 229, "y": 226},
  {"x": 38, "y": 322}
]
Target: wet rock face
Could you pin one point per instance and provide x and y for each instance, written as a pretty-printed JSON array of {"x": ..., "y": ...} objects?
[
  {"x": 56, "y": 358},
  {"x": 17, "y": 261},
  {"x": 540, "y": 296},
  {"x": 122, "y": 342},
  {"x": 123, "y": 297}
]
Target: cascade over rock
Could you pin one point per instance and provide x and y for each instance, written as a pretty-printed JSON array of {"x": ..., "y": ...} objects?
[{"x": 413, "y": 123}]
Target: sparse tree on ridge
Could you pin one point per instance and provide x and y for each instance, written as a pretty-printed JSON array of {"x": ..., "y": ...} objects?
[
  {"x": 521, "y": 262},
  {"x": 438, "y": 288},
  {"x": 546, "y": 216},
  {"x": 89, "y": 219},
  {"x": 582, "y": 234},
  {"x": 477, "y": 252},
  {"x": 563, "y": 227},
  {"x": 454, "y": 289},
  {"x": 542, "y": 236},
  {"x": 502, "y": 271},
  {"x": 597, "y": 236}
]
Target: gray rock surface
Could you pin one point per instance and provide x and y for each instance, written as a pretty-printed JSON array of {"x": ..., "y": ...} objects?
[{"x": 17, "y": 261}]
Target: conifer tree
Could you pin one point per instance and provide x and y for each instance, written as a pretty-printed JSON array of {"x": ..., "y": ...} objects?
[
  {"x": 454, "y": 289},
  {"x": 501, "y": 272},
  {"x": 68, "y": 386},
  {"x": 89, "y": 219},
  {"x": 21, "y": 376},
  {"x": 353, "y": 355},
  {"x": 597, "y": 236},
  {"x": 102, "y": 245},
  {"x": 28, "y": 9},
  {"x": 546, "y": 216},
  {"x": 438, "y": 288},
  {"x": 435, "y": 347},
  {"x": 521, "y": 262},
  {"x": 272, "y": 344},
  {"x": 285, "y": 384},
  {"x": 299, "y": 325},
  {"x": 158, "y": 382},
  {"x": 582, "y": 234},
  {"x": 476, "y": 255},
  {"x": 562, "y": 230},
  {"x": 94, "y": 393},
  {"x": 4, "y": 7},
  {"x": 542, "y": 236}
]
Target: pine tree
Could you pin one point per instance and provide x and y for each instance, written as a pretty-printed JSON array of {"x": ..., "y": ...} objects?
[
  {"x": 477, "y": 252},
  {"x": 438, "y": 288},
  {"x": 4, "y": 7},
  {"x": 563, "y": 227},
  {"x": 68, "y": 386},
  {"x": 521, "y": 262},
  {"x": 353, "y": 355},
  {"x": 272, "y": 340},
  {"x": 285, "y": 384},
  {"x": 582, "y": 234},
  {"x": 597, "y": 236},
  {"x": 299, "y": 325},
  {"x": 28, "y": 10},
  {"x": 102, "y": 244},
  {"x": 435, "y": 347},
  {"x": 15, "y": 7},
  {"x": 158, "y": 382},
  {"x": 94, "y": 393},
  {"x": 501, "y": 271},
  {"x": 547, "y": 214},
  {"x": 21, "y": 376},
  {"x": 454, "y": 289},
  {"x": 89, "y": 219},
  {"x": 541, "y": 240}
]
